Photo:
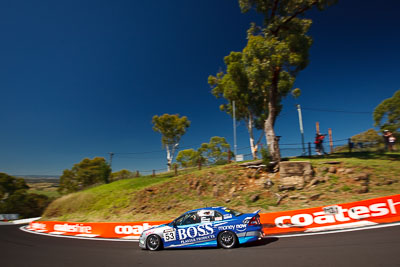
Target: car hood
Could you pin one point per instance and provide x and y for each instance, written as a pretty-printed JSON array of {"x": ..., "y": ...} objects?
[{"x": 157, "y": 229}]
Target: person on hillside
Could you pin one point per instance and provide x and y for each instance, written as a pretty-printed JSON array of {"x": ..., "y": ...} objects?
[
  {"x": 386, "y": 135},
  {"x": 319, "y": 147},
  {"x": 392, "y": 141}
]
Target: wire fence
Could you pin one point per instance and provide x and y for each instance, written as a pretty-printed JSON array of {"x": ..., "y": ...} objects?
[{"x": 308, "y": 149}]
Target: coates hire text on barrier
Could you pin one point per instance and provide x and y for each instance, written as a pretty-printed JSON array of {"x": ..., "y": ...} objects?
[{"x": 355, "y": 214}]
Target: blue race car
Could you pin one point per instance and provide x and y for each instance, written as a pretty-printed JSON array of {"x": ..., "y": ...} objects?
[{"x": 205, "y": 227}]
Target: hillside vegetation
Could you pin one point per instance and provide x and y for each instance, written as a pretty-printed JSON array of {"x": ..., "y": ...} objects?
[{"x": 337, "y": 179}]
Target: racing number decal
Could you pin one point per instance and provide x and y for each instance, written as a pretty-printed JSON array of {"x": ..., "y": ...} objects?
[
  {"x": 169, "y": 235},
  {"x": 331, "y": 210}
]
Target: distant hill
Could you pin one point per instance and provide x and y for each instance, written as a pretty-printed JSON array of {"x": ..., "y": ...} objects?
[{"x": 39, "y": 178}]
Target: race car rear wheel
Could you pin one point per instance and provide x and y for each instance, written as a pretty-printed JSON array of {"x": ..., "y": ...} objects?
[
  {"x": 153, "y": 242},
  {"x": 227, "y": 239}
]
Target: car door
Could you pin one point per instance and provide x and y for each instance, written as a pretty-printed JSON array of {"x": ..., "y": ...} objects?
[
  {"x": 170, "y": 232},
  {"x": 196, "y": 228},
  {"x": 187, "y": 228}
]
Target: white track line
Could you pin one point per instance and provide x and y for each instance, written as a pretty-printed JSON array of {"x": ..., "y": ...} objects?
[
  {"x": 23, "y": 228},
  {"x": 341, "y": 231}
]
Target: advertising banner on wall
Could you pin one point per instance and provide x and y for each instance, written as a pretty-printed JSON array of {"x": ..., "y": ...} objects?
[
  {"x": 128, "y": 230},
  {"x": 331, "y": 217},
  {"x": 355, "y": 214}
]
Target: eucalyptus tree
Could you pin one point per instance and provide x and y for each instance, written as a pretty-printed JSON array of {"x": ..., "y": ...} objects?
[
  {"x": 172, "y": 128},
  {"x": 234, "y": 87},
  {"x": 387, "y": 113},
  {"x": 216, "y": 151},
  {"x": 83, "y": 174},
  {"x": 276, "y": 53},
  {"x": 189, "y": 158}
]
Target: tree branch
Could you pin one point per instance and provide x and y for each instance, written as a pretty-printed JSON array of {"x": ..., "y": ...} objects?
[
  {"x": 259, "y": 139},
  {"x": 300, "y": 11},
  {"x": 273, "y": 11}
]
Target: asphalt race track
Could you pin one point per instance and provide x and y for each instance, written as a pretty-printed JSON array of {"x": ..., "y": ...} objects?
[{"x": 374, "y": 247}]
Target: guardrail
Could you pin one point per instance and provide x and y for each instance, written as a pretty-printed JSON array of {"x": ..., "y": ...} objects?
[
  {"x": 8, "y": 217},
  {"x": 340, "y": 216}
]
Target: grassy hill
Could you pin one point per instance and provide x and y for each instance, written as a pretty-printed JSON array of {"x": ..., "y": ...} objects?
[{"x": 338, "y": 178}]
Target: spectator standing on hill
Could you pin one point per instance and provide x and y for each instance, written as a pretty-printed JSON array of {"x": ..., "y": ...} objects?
[
  {"x": 386, "y": 135},
  {"x": 392, "y": 141},
  {"x": 319, "y": 147}
]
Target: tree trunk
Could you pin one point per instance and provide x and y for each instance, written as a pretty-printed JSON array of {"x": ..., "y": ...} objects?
[
  {"x": 170, "y": 154},
  {"x": 250, "y": 128},
  {"x": 169, "y": 158},
  {"x": 272, "y": 140}
]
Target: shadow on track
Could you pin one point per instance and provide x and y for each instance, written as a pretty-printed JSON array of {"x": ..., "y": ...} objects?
[{"x": 263, "y": 242}]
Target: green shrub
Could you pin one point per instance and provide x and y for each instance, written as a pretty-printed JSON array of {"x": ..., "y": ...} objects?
[
  {"x": 266, "y": 157},
  {"x": 346, "y": 188}
]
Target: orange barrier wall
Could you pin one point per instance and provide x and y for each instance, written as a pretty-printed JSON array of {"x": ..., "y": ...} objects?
[
  {"x": 366, "y": 212},
  {"x": 100, "y": 229}
]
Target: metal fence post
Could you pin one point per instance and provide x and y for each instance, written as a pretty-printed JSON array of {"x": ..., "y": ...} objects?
[
  {"x": 309, "y": 149},
  {"x": 330, "y": 139},
  {"x": 350, "y": 145}
]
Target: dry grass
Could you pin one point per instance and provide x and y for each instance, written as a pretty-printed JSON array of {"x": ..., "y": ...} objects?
[{"x": 161, "y": 198}]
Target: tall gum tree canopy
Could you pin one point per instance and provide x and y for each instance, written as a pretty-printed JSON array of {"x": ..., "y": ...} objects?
[
  {"x": 387, "y": 113},
  {"x": 276, "y": 53},
  {"x": 234, "y": 87},
  {"x": 172, "y": 128}
]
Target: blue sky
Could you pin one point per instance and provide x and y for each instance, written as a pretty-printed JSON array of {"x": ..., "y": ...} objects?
[{"x": 83, "y": 78}]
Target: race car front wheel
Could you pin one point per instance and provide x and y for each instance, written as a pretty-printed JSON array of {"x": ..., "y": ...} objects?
[
  {"x": 227, "y": 239},
  {"x": 153, "y": 242}
]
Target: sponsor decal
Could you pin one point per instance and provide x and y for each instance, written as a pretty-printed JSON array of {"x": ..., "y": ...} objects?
[
  {"x": 205, "y": 219},
  {"x": 132, "y": 229},
  {"x": 169, "y": 235},
  {"x": 237, "y": 227},
  {"x": 226, "y": 227},
  {"x": 331, "y": 210},
  {"x": 198, "y": 239},
  {"x": 205, "y": 213},
  {"x": 196, "y": 233},
  {"x": 38, "y": 226},
  {"x": 342, "y": 215},
  {"x": 228, "y": 216},
  {"x": 149, "y": 232},
  {"x": 241, "y": 227},
  {"x": 73, "y": 228}
]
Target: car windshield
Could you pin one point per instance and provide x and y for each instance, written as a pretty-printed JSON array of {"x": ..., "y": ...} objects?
[
  {"x": 187, "y": 218},
  {"x": 178, "y": 220}
]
